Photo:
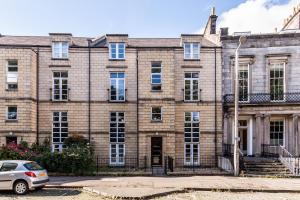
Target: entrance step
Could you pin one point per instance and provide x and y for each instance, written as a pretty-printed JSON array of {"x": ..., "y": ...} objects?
[
  {"x": 255, "y": 166},
  {"x": 158, "y": 171}
]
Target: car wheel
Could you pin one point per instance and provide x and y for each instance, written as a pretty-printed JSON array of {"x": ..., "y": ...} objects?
[
  {"x": 39, "y": 188},
  {"x": 21, "y": 187}
]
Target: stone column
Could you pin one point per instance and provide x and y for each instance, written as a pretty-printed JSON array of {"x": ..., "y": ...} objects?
[
  {"x": 296, "y": 134},
  {"x": 229, "y": 129},
  {"x": 266, "y": 129},
  {"x": 257, "y": 136}
]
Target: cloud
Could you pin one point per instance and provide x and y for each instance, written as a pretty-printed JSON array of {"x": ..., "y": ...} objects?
[{"x": 257, "y": 16}]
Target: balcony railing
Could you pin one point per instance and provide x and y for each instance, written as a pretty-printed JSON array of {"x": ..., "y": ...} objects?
[
  {"x": 263, "y": 98},
  {"x": 62, "y": 97},
  {"x": 117, "y": 98},
  {"x": 199, "y": 96}
]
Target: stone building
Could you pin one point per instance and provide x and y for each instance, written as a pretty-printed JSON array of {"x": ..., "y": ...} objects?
[
  {"x": 132, "y": 98},
  {"x": 269, "y": 90}
]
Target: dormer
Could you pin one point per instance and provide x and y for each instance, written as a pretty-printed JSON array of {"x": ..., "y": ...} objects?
[
  {"x": 191, "y": 44},
  {"x": 60, "y": 45},
  {"x": 117, "y": 44}
]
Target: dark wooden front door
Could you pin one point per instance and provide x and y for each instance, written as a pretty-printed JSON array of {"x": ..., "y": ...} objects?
[{"x": 156, "y": 151}]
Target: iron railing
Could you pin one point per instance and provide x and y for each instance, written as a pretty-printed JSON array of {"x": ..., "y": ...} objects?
[
  {"x": 110, "y": 99},
  {"x": 263, "y": 98},
  {"x": 191, "y": 101},
  {"x": 67, "y": 96},
  {"x": 290, "y": 161},
  {"x": 227, "y": 150},
  {"x": 184, "y": 164},
  {"x": 128, "y": 164},
  {"x": 268, "y": 150}
]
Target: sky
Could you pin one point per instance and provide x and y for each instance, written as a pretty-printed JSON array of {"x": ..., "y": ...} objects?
[{"x": 139, "y": 18}]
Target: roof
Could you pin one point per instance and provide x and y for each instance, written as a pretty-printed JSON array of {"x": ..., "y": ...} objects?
[
  {"x": 37, "y": 40},
  {"x": 83, "y": 41}
]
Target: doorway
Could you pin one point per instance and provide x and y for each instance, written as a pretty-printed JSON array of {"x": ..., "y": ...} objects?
[
  {"x": 156, "y": 151},
  {"x": 243, "y": 143},
  {"x": 11, "y": 140}
]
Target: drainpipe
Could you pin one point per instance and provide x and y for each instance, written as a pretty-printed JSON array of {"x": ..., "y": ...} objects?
[
  {"x": 37, "y": 94},
  {"x": 89, "y": 101},
  {"x": 137, "y": 107},
  {"x": 216, "y": 148}
]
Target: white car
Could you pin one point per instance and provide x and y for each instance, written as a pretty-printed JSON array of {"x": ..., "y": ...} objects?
[{"x": 21, "y": 176}]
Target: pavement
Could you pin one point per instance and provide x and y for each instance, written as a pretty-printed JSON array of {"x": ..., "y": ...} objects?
[{"x": 148, "y": 187}]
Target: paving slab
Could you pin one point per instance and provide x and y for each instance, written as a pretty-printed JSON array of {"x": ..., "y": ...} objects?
[
  {"x": 142, "y": 187},
  {"x": 131, "y": 192}
]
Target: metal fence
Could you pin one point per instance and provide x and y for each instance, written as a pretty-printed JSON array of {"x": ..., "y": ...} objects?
[
  {"x": 261, "y": 98},
  {"x": 268, "y": 150},
  {"x": 126, "y": 164}
]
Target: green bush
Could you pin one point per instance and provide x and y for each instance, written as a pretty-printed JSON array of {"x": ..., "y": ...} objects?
[{"x": 76, "y": 159}]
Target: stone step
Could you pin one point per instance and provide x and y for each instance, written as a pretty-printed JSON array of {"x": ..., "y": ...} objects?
[
  {"x": 158, "y": 171},
  {"x": 265, "y": 167}
]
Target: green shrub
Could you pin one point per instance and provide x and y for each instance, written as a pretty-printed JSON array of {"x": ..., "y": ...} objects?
[{"x": 76, "y": 159}]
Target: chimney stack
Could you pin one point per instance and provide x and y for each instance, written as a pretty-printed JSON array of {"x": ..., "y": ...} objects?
[{"x": 213, "y": 21}]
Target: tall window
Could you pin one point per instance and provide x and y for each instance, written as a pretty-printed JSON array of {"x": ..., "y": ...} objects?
[
  {"x": 12, "y": 113},
  {"x": 59, "y": 130},
  {"x": 191, "y": 86},
  {"x": 191, "y": 51},
  {"x": 276, "y": 132},
  {"x": 243, "y": 82},
  {"x": 60, "y": 86},
  {"x": 12, "y": 75},
  {"x": 117, "y": 138},
  {"x": 277, "y": 82},
  {"x": 60, "y": 50},
  {"x": 191, "y": 138},
  {"x": 117, "y": 50},
  {"x": 156, "y": 114},
  {"x": 117, "y": 86},
  {"x": 156, "y": 76}
]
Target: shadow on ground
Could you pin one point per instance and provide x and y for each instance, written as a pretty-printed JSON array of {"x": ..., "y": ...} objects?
[{"x": 45, "y": 193}]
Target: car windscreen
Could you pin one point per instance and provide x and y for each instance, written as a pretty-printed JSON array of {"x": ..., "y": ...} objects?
[{"x": 33, "y": 166}]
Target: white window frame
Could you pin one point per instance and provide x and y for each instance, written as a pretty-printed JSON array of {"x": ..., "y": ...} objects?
[
  {"x": 119, "y": 160},
  {"x": 117, "y": 50},
  {"x": 161, "y": 114},
  {"x": 283, "y": 134},
  {"x": 160, "y": 74},
  {"x": 272, "y": 66},
  {"x": 7, "y": 112},
  {"x": 16, "y": 74},
  {"x": 191, "y": 55},
  {"x": 192, "y": 143},
  {"x": 61, "y": 54},
  {"x": 59, "y": 146},
  {"x": 191, "y": 162},
  {"x": 60, "y": 79},
  {"x": 117, "y": 87},
  {"x": 191, "y": 87},
  {"x": 248, "y": 79}
]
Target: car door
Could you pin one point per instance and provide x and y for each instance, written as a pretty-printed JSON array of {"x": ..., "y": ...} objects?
[{"x": 7, "y": 174}]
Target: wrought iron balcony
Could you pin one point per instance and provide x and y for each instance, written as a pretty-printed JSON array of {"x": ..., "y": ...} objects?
[
  {"x": 61, "y": 95},
  {"x": 191, "y": 101},
  {"x": 114, "y": 97},
  {"x": 264, "y": 98}
]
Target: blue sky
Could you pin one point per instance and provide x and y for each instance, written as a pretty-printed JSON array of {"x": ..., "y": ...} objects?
[{"x": 138, "y": 18}]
